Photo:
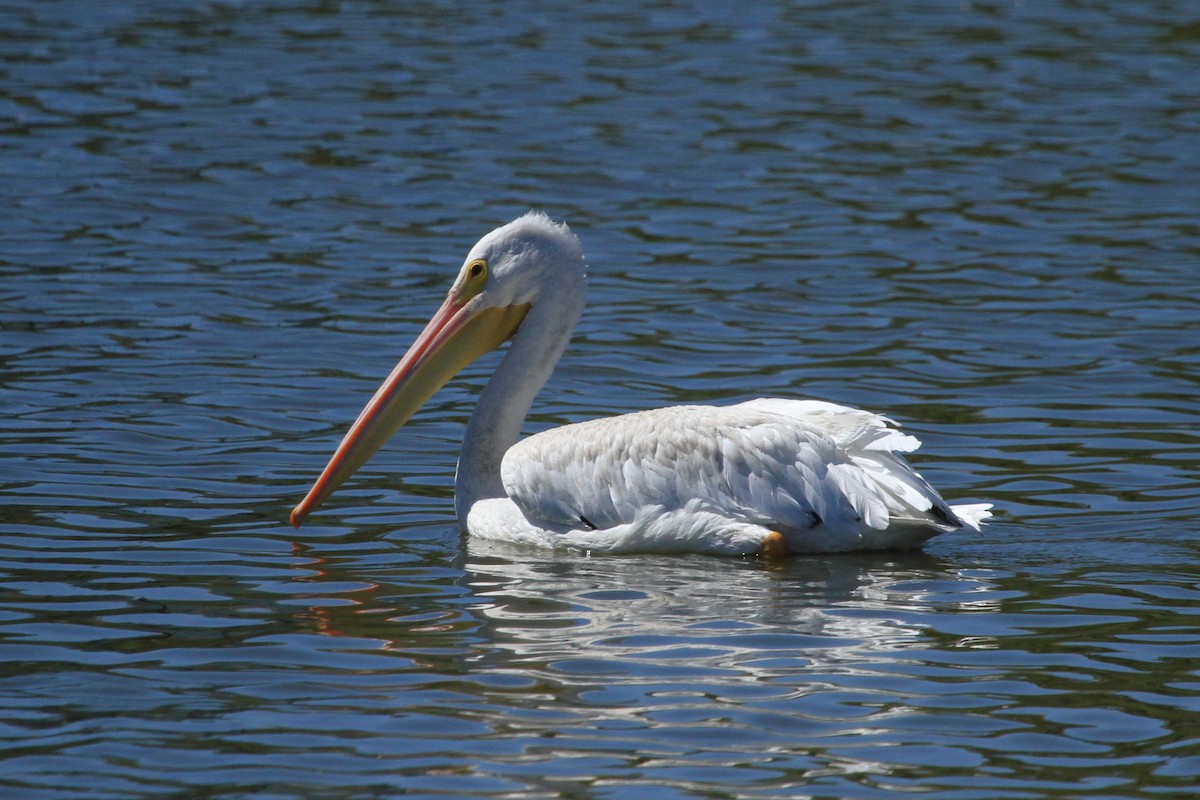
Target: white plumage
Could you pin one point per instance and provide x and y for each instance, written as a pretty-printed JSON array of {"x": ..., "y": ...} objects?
[
  {"x": 720, "y": 478},
  {"x": 765, "y": 476}
]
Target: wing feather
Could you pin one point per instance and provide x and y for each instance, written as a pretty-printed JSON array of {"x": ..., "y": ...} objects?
[{"x": 788, "y": 465}]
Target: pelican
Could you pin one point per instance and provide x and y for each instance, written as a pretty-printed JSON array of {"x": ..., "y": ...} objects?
[{"x": 766, "y": 477}]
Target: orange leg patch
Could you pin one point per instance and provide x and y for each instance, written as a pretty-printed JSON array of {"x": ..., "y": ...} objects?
[{"x": 774, "y": 547}]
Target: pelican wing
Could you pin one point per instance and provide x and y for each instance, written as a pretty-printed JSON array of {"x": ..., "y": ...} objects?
[{"x": 787, "y": 465}]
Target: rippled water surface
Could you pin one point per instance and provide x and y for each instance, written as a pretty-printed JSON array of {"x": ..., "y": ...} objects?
[{"x": 224, "y": 222}]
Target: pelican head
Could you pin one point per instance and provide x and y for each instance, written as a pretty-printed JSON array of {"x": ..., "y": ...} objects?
[{"x": 501, "y": 282}]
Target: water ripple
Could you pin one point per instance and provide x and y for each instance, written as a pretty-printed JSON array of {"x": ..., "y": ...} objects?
[{"x": 225, "y": 221}]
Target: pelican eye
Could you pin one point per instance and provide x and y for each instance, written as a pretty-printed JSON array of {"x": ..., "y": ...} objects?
[{"x": 474, "y": 278}]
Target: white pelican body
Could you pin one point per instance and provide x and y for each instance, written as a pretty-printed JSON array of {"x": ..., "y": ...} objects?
[{"x": 766, "y": 477}]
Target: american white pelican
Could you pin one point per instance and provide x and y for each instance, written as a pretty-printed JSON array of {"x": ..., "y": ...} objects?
[{"x": 765, "y": 477}]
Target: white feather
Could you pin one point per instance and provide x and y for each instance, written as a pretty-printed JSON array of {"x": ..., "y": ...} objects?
[
  {"x": 725, "y": 479},
  {"x": 827, "y": 477}
]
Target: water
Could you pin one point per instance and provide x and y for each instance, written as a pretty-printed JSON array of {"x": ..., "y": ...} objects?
[{"x": 224, "y": 221}]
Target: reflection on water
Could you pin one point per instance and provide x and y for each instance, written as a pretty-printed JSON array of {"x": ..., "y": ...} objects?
[
  {"x": 372, "y": 663},
  {"x": 225, "y": 221},
  {"x": 583, "y": 607}
]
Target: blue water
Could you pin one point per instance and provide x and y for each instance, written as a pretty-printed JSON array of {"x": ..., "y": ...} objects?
[{"x": 225, "y": 221}]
